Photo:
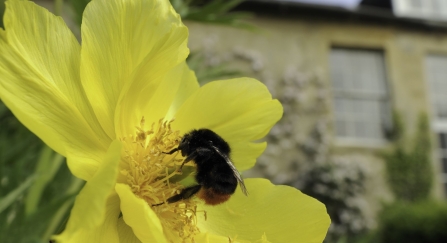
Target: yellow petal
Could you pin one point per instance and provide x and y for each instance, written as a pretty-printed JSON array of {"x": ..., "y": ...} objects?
[
  {"x": 125, "y": 232},
  {"x": 240, "y": 110},
  {"x": 106, "y": 232},
  {"x": 211, "y": 238},
  {"x": 89, "y": 210},
  {"x": 126, "y": 44},
  {"x": 39, "y": 66},
  {"x": 282, "y": 213},
  {"x": 188, "y": 85},
  {"x": 139, "y": 216},
  {"x": 164, "y": 95},
  {"x": 244, "y": 154}
]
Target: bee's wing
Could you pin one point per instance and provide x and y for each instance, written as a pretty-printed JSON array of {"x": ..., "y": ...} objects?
[{"x": 235, "y": 171}]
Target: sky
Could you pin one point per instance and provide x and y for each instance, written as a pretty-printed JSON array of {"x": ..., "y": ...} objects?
[{"x": 344, "y": 3}]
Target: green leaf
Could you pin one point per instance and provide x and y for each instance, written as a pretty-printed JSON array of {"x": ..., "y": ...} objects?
[
  {"x": 213, "y": 12},
  {"x": 6, "y": 201},
  {"x": 32, "y": 228},
  {"x": 47, "y": 212},
  {"x": 219, "y": 6},
  {"x": 58, "y": 221},
  {"x": 47, "y": 167},
  {"x": 2, "y": 10},
  {"x": 78, "y": 7},
  {"x": 206, "y": 73}
]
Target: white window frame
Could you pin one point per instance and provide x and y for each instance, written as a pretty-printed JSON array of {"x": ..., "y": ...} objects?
[
  {"x": 363, "y": 96},
  {"x": 430, "y": 9},
  {"x": 439, "y": 125}
]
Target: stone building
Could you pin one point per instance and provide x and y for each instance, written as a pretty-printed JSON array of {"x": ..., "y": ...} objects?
[{"x": 365, "y": 61}]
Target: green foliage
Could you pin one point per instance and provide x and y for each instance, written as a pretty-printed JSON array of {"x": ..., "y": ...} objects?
[
  {"x": 78, "y": 8},
  {"x": 47, "y": 166},
  {"x": 205, "y": 73},
  {"x": 409, "y": 171},
  {"x": 396, "y": 132},
  {"x": 424, "y": 221},
  {"x": 212, "y": 12},
  {"x": 2, "y": 9},
  {"x": 9, "y": 199},
  {"x": 18, "y": 148},
  {"x": 34, "y": 197}
]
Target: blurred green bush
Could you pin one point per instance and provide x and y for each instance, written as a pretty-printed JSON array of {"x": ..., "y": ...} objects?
[
  {"x": 408, "y": 165},
  {"x": 422, "y": 222}
]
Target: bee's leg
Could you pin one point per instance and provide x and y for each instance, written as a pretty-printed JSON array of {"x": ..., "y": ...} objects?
[
  {"x": 158, "y": 204},
  {"x": 172, "y": 151},
  {"x": 194, "y": 154},
  {"x": 184, "y": 194},
  {"x": 188, "y": 158}
]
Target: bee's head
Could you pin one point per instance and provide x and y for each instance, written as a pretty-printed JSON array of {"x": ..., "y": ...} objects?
[{"x": 184, "y": 144}]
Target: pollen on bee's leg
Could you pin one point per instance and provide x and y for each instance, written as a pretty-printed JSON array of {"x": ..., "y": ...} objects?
[{"x": 148, "y": 170}]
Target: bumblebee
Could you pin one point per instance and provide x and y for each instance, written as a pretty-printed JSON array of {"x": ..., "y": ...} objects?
[{"x": 216, "y": 176}]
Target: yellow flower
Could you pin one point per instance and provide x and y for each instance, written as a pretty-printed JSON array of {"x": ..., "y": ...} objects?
[{"x": 109, "y": 107}]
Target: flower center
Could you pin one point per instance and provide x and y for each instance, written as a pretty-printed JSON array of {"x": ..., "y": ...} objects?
[{"x": 149, "y": 172}]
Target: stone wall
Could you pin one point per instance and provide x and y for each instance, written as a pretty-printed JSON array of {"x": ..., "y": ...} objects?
[{"x": 291, "y": 56}]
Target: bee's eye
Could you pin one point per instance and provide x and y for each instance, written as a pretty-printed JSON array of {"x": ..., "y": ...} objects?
[{"x": 184, "y": 140}]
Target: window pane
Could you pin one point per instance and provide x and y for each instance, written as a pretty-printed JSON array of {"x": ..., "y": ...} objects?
[
  {"x": 444, "y": 165},
  {"x": 442, "y": 155},
  {"x": 442, "y": 140},
  {"x": 361, "y": 107},
  {"x": 358, "y": 70},
  {"x": 359, "y": 118},
  {"x": 428, "y": 9},
  {"x": 416, "y": 4},
  {"x": 340, "y": 128},
  {"x": 436, "y": 75}
]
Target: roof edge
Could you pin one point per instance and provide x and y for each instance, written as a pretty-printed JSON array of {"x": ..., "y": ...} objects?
[{"x": 287, "y": 9}]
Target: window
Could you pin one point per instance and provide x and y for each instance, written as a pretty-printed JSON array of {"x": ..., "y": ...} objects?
[
  {"x": 361, "y": 104},
  {"x": 428, "y": 9},
  {"x": 436, "y": 75},
  {"x": 436, "y": 67},
  {"x": 443, "y": 158}
]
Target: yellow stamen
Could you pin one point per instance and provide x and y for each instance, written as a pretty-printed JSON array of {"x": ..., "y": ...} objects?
[{"x": 147, "y": 170}]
